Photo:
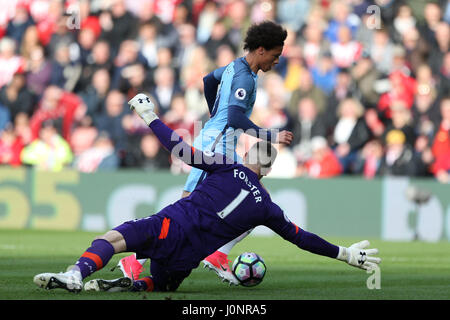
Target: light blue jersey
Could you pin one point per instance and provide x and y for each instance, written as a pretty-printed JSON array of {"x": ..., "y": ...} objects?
[{"x": 237, "y": 87}]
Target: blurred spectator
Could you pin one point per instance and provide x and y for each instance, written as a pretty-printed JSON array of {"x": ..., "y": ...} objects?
[
  {"x": 30, "y": 40},
  {"x": 19, "y": 23},
  {"x": 324, "y": 73},
  {"x": 437, "y": 53},
  {"x": 95, "y": 93},
  {"x": 98, "y": 58},
  {"x": 218, "y": 37},
  {"x": 87, "y": 39},
  {"x": 186, "y": 45},
  {"x": 345, "y": 51},
  {"x": 401, "y": 120},
  {"x": 401, "y": 88},
  {"x": 62, "y": 36},
  {"x": 65, "y": 108},
  {"x": 278, "y": 116},
  {"x": 11, "y": 146},
  {"x": 10, "y": 62},
  {"x": 341, "y": 90},
  {"x": 313, "y": 43},
  {"x": 22, "y": 128},
  {"x": 49, "y": 151},
  {"x": 83, "y": 136},
  {"x": 403, "y": 23},
  {"x": 110, "y": 119},
  {"x": 16, "y": 97},
  {"x": 207, "y": 20},
  {"x": 381, "y": 51},
  {"x": 341, "y": 16},
  {"x": 237, "y": 21},
  {"x": 398, "y": 159},
  {"x": 323, "y": 162},
  {"x": 416, "y": 49},
  {"x": 47, "y": 15},
  {"x": 118, "y": 24},
  {"x": 307, "y": 88},
  {"x": 369, "y": 159},
  {"x": 350, "y": 133},
  {"x": 444, "y": 75},
  {"x": 148, "y": 154},
  {"x": 425, "y": 110},
  {"x": 100, "y": 156},
  {"x": 165, "y": 88},
  {"x": 292, "y": 13},
  {"x": 39, "y": 71},
  {"x": 128, "y": 55},
  {"x": 65, "y": 72},
  {"x": 309, "y": 124},
  {"x": 5, "y": 117},
  {"x": 441, "y": 145},
  {"x": 427, "y": 28},
  {"x": 294, "y": 68},
  {"x": 364, "y": 75},
  {"x": 134, "y": 80},
  {"x": 263, "y": 10},
  {"x": 179, "y": 119},
  {"x": 148, "y": 43}
]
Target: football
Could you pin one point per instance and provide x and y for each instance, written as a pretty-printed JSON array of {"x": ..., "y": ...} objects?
[{"x": 249, "y": 268}]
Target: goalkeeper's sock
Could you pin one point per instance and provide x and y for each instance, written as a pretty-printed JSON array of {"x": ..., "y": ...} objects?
[
  {"x": 226, "y": 248},
  {"x": 94, "y": 258},
  {"x": 143, "y": 284}
]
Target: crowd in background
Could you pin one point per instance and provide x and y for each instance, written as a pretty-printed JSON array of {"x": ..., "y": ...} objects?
[{"x": 363, "y": 85}]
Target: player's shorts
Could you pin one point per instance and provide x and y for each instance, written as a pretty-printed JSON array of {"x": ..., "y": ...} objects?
[
  {"x": 214, "y": 144},
  {"x": 164, "y": 241}
]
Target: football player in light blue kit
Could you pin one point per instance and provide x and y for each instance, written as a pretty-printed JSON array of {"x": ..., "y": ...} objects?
[{"x": 230, "y": 92}]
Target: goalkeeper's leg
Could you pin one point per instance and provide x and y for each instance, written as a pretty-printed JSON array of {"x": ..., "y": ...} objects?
[
  {"x": 218, "y": 261},
  {"x": 92, "y": 260}
]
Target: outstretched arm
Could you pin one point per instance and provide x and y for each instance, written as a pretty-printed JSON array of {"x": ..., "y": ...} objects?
[
  {"x": 239, "y": 120},
  {"x": 356, "y": 255},
  {"x": 172, "y": 141}
]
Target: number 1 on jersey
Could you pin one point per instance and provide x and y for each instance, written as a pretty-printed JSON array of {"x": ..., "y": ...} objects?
[{"x": 233, "y": 204}]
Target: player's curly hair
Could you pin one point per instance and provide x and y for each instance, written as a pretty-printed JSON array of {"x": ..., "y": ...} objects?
[{"x": 266, "y": 34}]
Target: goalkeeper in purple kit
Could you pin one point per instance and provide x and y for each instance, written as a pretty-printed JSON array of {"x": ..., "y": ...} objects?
[{"x": 229, "y": 201}]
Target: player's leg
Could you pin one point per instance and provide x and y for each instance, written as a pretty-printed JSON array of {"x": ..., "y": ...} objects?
[
  {"x": 132, "y": 267},
  {"x": 161, "y": 279},
  {"x": 92, "y": 260}
]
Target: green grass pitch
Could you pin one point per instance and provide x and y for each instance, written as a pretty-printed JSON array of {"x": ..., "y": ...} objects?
[{"x": 409, "y": 270}]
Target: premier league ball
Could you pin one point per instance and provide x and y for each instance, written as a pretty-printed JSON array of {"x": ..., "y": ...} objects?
[{"x": 249, "y": 269}]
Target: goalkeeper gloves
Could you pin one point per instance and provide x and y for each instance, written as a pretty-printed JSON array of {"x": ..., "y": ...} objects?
[
  {"x": 358, "y": 256},
  {"x": 144, "y": 108}
]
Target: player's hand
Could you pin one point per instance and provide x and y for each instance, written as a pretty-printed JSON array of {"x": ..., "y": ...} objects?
[
  {"x": 144, "y": 107},
  {"x": 358, "y": 256},
  {"x": 285, "y": 137}
]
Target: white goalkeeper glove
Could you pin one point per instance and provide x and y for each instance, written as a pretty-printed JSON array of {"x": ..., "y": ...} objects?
[
  {"x": 358, "y": 256},
  {"x": 144, "y": 108}
]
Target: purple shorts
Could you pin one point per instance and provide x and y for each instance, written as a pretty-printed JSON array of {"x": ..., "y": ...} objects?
[{"x": 163, "y": 241}]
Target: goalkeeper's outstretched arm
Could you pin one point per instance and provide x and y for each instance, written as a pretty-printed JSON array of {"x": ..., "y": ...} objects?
[
  {"x": 357, "y": 255},
  {"x": 172, "y": 141}
]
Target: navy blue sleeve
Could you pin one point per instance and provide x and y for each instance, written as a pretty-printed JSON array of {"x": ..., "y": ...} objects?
[
  {"x": 237, "y": 119},
  {"x": 210, "y": 84},
  {"x": 207, "y": 161},
  {"x": 280, "y": 223}
]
